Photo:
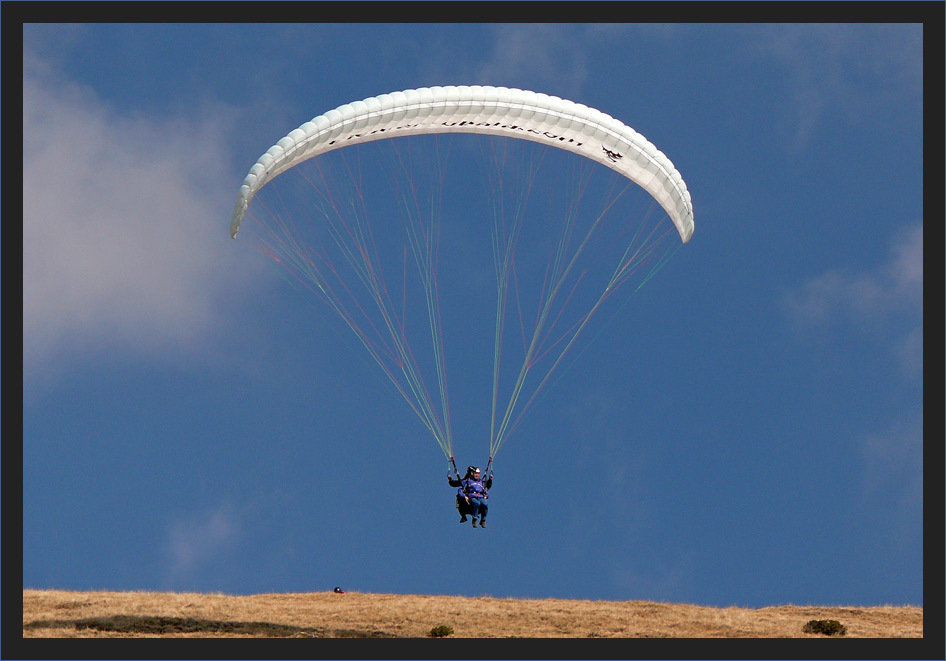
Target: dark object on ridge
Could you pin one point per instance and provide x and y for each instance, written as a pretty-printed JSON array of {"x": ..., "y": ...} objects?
[{"x": 827, "y": 627}]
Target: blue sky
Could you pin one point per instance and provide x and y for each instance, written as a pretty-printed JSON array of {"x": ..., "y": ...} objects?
[{"x": 749, "y": 433}]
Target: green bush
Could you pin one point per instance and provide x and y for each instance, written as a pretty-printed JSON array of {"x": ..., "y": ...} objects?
[
  {"x": 440, "y": 631},
  {"x": 827, "y": 627}
]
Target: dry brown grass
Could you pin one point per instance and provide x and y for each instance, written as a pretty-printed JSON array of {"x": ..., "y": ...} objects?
[{"x": 64, "y": 614}]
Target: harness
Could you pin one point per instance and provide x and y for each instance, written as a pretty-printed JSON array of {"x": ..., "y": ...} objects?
[
  {"x": 474, "y": 488},
  {"x": 465, "y": 481}
]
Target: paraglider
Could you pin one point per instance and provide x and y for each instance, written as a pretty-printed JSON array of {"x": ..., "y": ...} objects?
[
  {"x": 475, "y": 489},
  {"x": 455, "y": 481},
  {"x": 560, "y": 248}
]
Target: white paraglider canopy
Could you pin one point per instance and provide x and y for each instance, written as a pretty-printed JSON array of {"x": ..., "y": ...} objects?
[{"x": 499, "y": 111}]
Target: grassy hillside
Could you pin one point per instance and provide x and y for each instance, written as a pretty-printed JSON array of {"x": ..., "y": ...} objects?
[{"x": 65, "y": 614}]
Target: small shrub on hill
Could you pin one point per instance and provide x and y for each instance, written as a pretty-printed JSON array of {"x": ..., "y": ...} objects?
[
  {"x": 440, "y": 631},
  {"x": 827, "y": 627}
]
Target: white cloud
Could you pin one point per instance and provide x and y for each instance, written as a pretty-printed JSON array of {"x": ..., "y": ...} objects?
[
  {"x": 887, "y": 300},
  {"x": 125, "y": 248}
]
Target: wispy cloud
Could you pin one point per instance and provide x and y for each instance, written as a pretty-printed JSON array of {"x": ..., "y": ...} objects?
[
  {"x": 536, "y": 52},
  {"x": 854, "y": 71},
  {"x": 202, "y": 538},
  {"x": 887, "y": 299},
  {"x": 893, "y": 477},
  {"x": 883, "y": 304},
  {"x": 125, "y": 247},
  {"x": 895, "y": 460},
  {"x": 664, "y": 577}
]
